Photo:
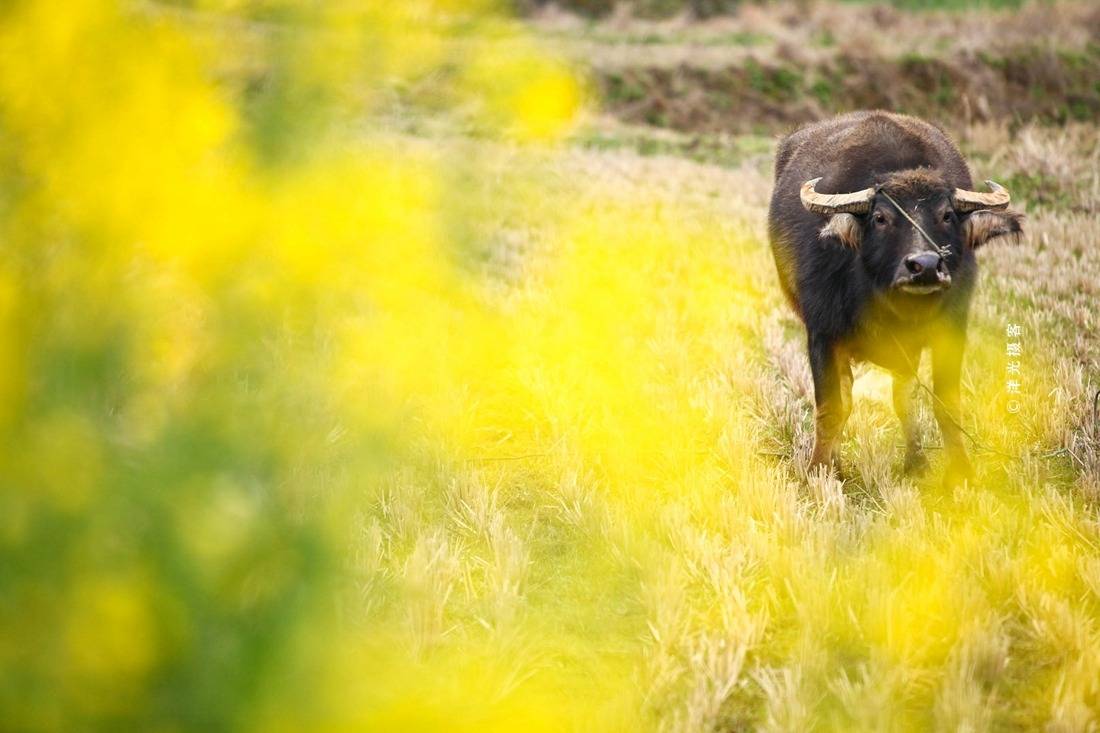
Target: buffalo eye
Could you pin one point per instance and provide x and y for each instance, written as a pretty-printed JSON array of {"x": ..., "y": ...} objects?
[
  {"x": 879, "y": 218},
  {"x": 947, "y": 217}
]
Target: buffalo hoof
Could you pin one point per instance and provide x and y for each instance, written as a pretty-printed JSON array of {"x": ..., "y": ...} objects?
[
  {"x": 827, "y": 468},
  {"x": 958, "y": 473},
  {"x": 915, "y": 463}
]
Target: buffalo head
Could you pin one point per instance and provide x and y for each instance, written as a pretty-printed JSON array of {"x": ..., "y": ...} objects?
[{"x": 913, "y": 230}]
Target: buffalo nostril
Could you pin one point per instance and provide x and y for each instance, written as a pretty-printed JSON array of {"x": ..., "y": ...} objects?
[{"x": 918, "y": 263}]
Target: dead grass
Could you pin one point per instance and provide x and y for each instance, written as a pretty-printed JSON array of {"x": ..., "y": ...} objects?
[
  {"x": 814, "y": 30},
  {"x": 770, "y": 599},
  {"x": 792, "y": 62}
]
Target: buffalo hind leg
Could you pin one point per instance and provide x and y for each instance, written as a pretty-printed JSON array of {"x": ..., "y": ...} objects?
[
  {"x": 947, "y": 358},
  {"x": 915, "y": 462},
  {"x": 832, "y": 373}
]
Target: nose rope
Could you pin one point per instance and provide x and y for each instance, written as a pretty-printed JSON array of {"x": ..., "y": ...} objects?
[{"x": 943, "y": 251}]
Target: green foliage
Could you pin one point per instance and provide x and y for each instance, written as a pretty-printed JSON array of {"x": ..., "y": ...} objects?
[{"x": 310, "y": 422}]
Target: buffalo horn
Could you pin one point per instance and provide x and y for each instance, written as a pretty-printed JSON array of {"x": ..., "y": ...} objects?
[
  {"x": 858, "y": 202},
  {"x": 998, "y": 198}
]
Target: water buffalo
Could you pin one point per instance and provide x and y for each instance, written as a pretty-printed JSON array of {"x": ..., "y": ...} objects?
[{"x": 874, "y": 226}]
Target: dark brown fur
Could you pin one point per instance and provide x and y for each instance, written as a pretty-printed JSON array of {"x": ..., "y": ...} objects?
[{"x": 844, "y": 274}]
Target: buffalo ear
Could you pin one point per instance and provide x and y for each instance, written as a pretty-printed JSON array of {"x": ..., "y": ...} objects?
[
  {"x": 845, "y": 228},
  {"x": 984, "y": 225}
]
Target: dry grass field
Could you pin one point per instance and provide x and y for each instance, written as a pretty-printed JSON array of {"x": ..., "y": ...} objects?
[
  {"x": 656, "y": 547},
  {"x": 654, "y": 550},
  {"x": 454, "y": 390}
]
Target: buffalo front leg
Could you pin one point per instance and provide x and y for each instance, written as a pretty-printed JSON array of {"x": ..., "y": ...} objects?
[
  {"x": 947, "y": 358},
  {"x": 915, "y": 462},
  {"x": 832, "y": 373}
]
